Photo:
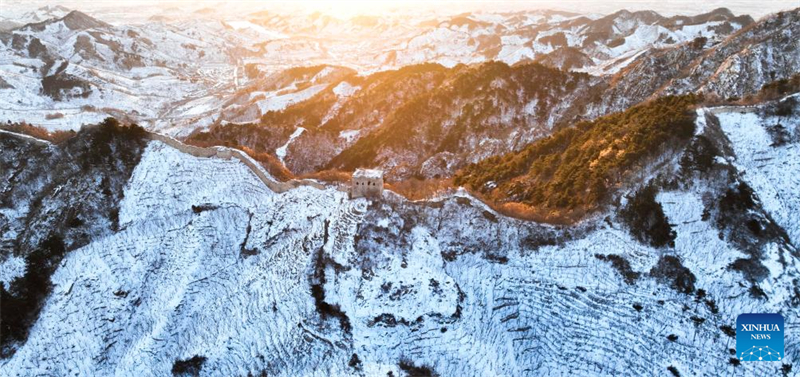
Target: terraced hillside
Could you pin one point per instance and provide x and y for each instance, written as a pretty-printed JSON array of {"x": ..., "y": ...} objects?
[{"x": 209, "y": 270}]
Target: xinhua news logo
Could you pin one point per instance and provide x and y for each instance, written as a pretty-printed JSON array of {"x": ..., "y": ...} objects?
[{"x": 759, "y": 337}]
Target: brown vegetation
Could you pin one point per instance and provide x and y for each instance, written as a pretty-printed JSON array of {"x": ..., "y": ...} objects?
[
  {"x": 416, "y": 125},
  {"x": 419, "y": 110},
  {"x": 418, "y": 189},
  {"x": 775, "y": 90},
  {"x": 329, "y": 176},
  {"x": 526, "y": 212},
  {"x": 274, "y": 166},
  {"x": 38, "y": 132},
  {"x": 769, "y": 92},
  {"x": 574, "y": 170}
]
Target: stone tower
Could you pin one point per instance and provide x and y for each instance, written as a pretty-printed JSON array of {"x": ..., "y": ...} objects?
[{"x": 366, "y": 183}]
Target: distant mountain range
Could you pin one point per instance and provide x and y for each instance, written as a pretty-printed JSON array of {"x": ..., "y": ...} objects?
[
  {"x": 428, "y": 121},
  {"x": 172, "y": 74}
]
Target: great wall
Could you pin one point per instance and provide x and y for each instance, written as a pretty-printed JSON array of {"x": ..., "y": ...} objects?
[
  {"x": 210, "y": 152},
  {"x": 25, "y": 137},
  {"x": 259, "y": 171},
  {"x": 228, "y": 153}
]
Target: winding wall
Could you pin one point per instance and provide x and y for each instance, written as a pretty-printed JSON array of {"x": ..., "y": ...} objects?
[{"x": 228, "y": 153}]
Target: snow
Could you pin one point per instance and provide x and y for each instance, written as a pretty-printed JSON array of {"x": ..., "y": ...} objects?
[
  {"x": 541, "y": 48},
  {"x": 342, "y": 90},
  {"x": 612, "y": 66},
  {"x": 368, "y": 173},
  {"x": 322, "y": 74},
  {"x": 281, "y": 151},
  {"x": 530, "y": 108},
  {"x": 772, "y": 171},
  {"x": 26, "y": 137},
  {"x": 209, "y": 262},
  {"x": 174, "y": 283},
  {"x": 345, "y": 89},
  {"x": 642, "y": 37},
  {"x": 514, "y": 40},
  {"x": 420, "y": 295},
  {"x": 178, "y": 91},
  {"x": 260, "y": 30},
  {"x": 511, "y": 54},
  {"x": 442, "y": 45},
  {"x": 690, "y": 32},
  {"x": 165, "y": 173},
  {"x": 277, "y": 102},
  {"x": 170, "y": 260},
  {"x": 201, "y": 106},
  {"x": 697, "y": 241},
  {"x": 349, "y": 135},
  {"x": 10, "y": 269},
  {"x": 700, "y": 124},
  {"x": 173, "y": 74}
]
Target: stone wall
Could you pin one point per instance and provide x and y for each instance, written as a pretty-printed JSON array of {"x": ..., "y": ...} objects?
[
  {"x": 227, "y": 154},
  {"x": 211, "y": 152},
  {"x": 26, "y": 137}
]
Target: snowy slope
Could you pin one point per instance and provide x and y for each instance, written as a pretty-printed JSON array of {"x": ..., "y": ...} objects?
[
  {"x": 771, "y": 168},
  {"x": 205, "y": 257},
  {"x": 208, "y": 262},
  {"x": 154, "y": 73}
]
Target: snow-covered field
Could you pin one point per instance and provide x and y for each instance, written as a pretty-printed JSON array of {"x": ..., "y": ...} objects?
[{"x": 209, "y": 262}]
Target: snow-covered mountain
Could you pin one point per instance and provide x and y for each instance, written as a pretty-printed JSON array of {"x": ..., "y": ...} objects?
[
  {"x": 75, "y": 70},
  {"x": 44, "y": 13},
  {"x": 424, "y": 120},
  {"x": 613, "y": 191},
  {"x": 477, "y": 37},
  {"x": 206, "y": 270},
  {"x": 429, "y": 121},
  {"x": 173, "y": 72},
  {"x": 736, "y": 67}
]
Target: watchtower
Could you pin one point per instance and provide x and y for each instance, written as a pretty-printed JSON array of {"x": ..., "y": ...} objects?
[{"x": 366, "y": 183}]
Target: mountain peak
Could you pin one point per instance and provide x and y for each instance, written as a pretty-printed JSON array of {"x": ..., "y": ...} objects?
[
  {"x": 77, "y": 20},
  {"x": 722, "y": 11}
]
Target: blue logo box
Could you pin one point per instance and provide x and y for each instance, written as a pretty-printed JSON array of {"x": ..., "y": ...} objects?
[{"x": 759, "y": 337}]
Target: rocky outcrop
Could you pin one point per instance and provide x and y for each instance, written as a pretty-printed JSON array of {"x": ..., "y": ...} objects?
[{"x": 740, "y": 65}]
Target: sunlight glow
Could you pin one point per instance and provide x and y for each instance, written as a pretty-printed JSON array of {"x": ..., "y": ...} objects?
[{"x": 350, "y": 8}]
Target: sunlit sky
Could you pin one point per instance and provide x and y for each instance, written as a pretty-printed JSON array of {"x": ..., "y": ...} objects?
[{"x": 348, "y": 8}]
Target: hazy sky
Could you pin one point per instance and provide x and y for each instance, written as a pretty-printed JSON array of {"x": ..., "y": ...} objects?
[{"x": 353, "y": 7}]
